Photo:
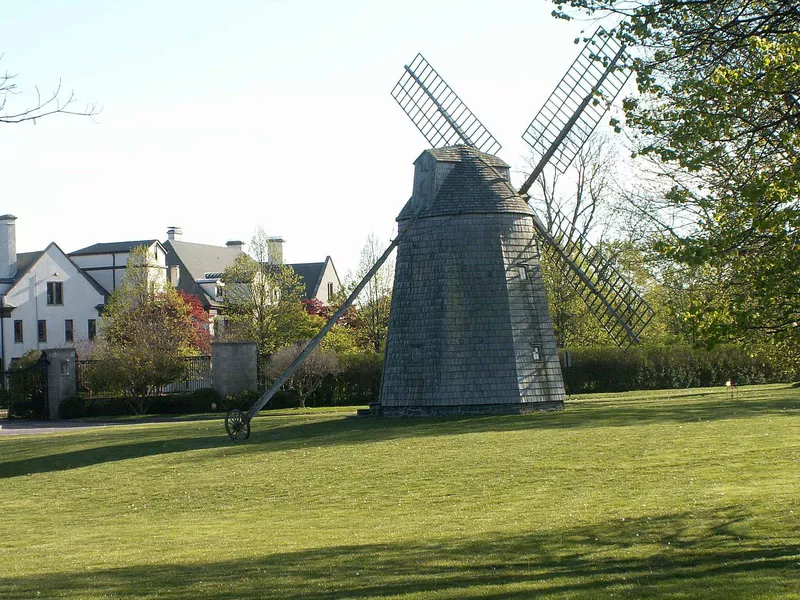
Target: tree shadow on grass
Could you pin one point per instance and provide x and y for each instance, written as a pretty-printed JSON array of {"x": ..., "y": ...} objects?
[
  {"x": 278, "y": 433},
  {"x": 677, "y": 555}
]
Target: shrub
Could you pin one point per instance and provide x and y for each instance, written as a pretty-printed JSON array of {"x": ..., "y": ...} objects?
[
  {"x": 309, "y": 375},
  {"x": 664, "y": 367},
  {"x": 243, "y": 401},
  {"x": 358, "y": 382},
  {"x": 73, "y": 407},
  {"x": 199, "y": 401}
]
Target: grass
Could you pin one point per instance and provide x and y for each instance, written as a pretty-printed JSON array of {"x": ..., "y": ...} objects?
[{"x": 674, "y": 494}]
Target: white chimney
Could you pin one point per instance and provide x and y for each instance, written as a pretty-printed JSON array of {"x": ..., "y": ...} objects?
[
  {"x": 275, "y": 250},
  {"x": 8, "y": 246},
  {"x": 236, "y": 245},
  {"x": 174, "y": 233}
]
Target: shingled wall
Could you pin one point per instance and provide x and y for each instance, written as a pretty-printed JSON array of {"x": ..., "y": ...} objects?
[{"x": 469, "y": 331}]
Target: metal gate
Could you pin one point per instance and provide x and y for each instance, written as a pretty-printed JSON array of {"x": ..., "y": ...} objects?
[{"x": 23, "y": 391}]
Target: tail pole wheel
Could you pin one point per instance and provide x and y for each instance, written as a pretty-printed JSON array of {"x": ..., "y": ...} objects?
[{"x": 237, "y": 425}]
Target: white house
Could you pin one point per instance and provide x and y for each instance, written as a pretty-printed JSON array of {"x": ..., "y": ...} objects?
[
  {"x": 106, "y": 262},
  {"x": 320, "y": 279},
  {"x": 197, "y": 268},
  {"x": 46, "y": 300}
]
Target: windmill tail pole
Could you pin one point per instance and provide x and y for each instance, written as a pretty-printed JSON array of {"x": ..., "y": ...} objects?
[{"x": 267, "y": 396}]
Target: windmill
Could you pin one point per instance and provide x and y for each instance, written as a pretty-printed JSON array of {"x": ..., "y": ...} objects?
[{"x": 465, "y": 220}]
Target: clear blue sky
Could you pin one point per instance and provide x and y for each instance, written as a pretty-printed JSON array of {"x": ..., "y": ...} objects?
[{"x": 220, "y": 116}]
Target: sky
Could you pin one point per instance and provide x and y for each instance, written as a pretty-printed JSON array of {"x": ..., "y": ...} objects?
[{"x": 219, "y": 117}]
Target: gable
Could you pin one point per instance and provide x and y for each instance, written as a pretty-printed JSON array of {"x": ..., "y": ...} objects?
[{"x": 52, "y": 264}]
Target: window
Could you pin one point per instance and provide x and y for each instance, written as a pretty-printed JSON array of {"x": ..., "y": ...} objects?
[
  {"x": 92, "y": 329},
  {"x": 537, "y": 355},
  {"x": 68, "y": 333},
  {"x": 55, "y": 292},
  {"x": 42, "y": 330},
  {"x": 18, "y": 332},
  {"x": 523, "y": 273},
  {"x": 330, "y": 290}
]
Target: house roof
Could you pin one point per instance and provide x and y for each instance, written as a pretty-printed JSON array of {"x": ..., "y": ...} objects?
[
  {"x": 311, "y": 274},
  {"x": 113, "y": 247},
  {"x": 25, "y": 260},
  {"x": 200, "y": 260},
  {"x": 472, "y": 186}
]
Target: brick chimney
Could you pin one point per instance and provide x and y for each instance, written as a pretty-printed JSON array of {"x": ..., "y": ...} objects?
[{"x": 8, "y": 246}]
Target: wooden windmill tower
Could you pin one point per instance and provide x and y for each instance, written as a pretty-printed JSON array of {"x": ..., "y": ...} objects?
[{"x": 469, "y": 331}]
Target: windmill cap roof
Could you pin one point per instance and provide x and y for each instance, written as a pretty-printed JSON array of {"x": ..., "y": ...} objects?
[
  {"x": 461, "y": 152},
  {"x": 473, "y": 185}
]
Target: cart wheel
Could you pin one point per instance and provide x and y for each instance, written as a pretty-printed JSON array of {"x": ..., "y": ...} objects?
[{"x": 237, "y": 425}]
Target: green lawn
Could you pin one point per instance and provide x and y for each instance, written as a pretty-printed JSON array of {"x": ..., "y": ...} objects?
[{"x": 678, "y": 494}]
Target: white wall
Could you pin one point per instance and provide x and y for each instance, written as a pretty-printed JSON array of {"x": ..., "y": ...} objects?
[
  {"x": 108, "y": 269},
  {"x": 328, "y": 276},
  {"x": 29, "y": 296}
]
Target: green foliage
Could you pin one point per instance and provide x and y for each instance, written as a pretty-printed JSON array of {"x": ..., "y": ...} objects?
[
  {"x": 243, "y": 401},
  {"x": 370, "y": 319},
  {"x": 23, "y": 390},
  {"x": 145, "y": 332},
  {"x": 718, "y": 108},
  {"x": 30, "y": 358},
  {"x": 309, "y": 374},
  {"x": 263, "y": 301},
  {"x": 199, "y": 401},
  {"x": 662, "y": 286},
  {"x": 72, "y": 407},
  {"x": 668, "y": 367},
  {"x": 356, "y": 384}
]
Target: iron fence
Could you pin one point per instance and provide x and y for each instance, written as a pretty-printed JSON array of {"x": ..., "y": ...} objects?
[
  {"x": 23, "y": 391},
  {"x": 197, "y": 375}
]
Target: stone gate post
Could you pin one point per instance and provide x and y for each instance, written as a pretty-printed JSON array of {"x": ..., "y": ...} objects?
[
  {"x": 234, "y": 367},
  {"x": 62, "y": 379}
]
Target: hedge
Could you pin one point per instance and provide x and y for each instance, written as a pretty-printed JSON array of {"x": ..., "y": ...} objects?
[
  {"x": 670, "y": 367},
  {"x": 358, "y": 383},
  {"x": 591, "y": 370},
  {"x": 199, "y": 401}
]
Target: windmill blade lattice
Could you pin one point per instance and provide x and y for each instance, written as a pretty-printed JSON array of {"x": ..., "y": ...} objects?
[
  {"x": 622, "y": 312},
  {"x": 437, "y": 111},
  {"x": 576, "y": 106}
]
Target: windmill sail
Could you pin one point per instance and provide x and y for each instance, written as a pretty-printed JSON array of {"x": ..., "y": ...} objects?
[
  {"x": 569, "y": 116},
  {"x": 556, "y": 134},
  {"x": 621, "y": 310},
  {"x": 437, "y": 111}
]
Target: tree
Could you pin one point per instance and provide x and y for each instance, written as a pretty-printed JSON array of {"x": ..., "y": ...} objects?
[
  {"x": 717, "y": 110},
  {"x": 51, "y": 104},
  {"x": 309, "y": 375},
  {"x": 145, "y": 332},
  {"x": 582, "y": 198},
  {"x": 201, "y": 336},
  {"x": 263, "y": 301},
  {"x": 371, "y": 317}
]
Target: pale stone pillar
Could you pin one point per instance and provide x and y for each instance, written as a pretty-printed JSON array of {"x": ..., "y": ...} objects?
[
  {"x": 234, "y": 367},
  {"x": 61, "y": 378}
]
